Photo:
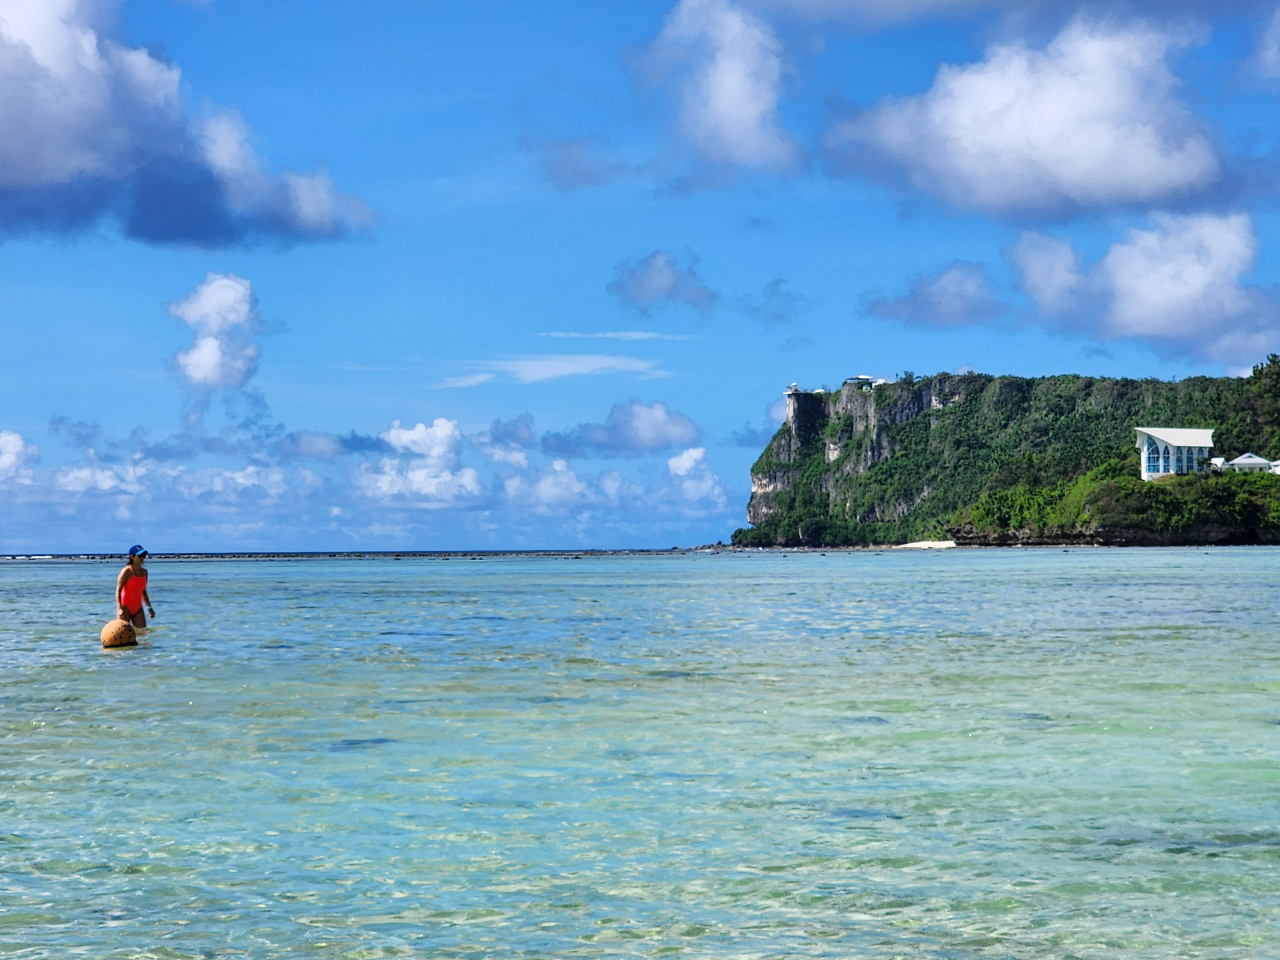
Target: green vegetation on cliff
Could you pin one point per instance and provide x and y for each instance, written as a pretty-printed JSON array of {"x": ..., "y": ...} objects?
[{"x": 1007, "y": 459}]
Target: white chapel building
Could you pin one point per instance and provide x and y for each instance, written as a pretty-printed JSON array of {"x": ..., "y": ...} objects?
[{"x": 1165, "y": 450}]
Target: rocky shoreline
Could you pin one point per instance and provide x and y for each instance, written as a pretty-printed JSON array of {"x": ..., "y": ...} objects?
[{"x": 1206, "y": 536}]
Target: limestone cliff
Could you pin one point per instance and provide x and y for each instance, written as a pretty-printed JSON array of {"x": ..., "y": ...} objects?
[{"x": 911, "y": 459}]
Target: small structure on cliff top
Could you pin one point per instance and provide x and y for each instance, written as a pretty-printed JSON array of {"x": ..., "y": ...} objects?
[
  {"x": 791, "y": 393},
  {"x": 1166, "y": 450},
  {"x": 864, "y": 382}
]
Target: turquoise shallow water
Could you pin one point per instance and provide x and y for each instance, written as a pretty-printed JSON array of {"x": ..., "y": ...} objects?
[{"x": 970, "y": 754}]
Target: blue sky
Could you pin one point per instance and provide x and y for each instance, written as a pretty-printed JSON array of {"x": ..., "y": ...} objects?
[{"x": 415, "y": 275}]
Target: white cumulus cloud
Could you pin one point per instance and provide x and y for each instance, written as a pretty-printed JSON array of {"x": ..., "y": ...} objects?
[
  {"x": 72, "y": 103},
  {"x": 631, "y": 429},
  {"x": 693, "y": 487},
  {"x": 439, "y": 441},
  {"x": 419, "y": 479},
  {"x": 958, "y": 295},
  {"x": 682, "y": 463},
  {"x": 616, "y": 489},
  {"x": 221, "y": 302},
  {"x": 308, "y": 204},
  {"x": 223, "y": 312},
  {"x": 310, "y": 444},
  {"x": 1050, "y": 270},
  {"x": 508, "y": 441},
  {"x": 1178, "y": 286},
  {"x": 96, "y": 128},
  {"x": 210, "y": 363},
  {"x": 557, "y": 487},
  {"x": 434, "y": 477},
  {"x": 1266, "y": 59},
  {"x": 15, "y": 454},
  {"x": 79, "y": 478},
  {"x": 882, "y": 12},
  {"x": 1092, "y": 120},
  {"x": 268, "y": 480},
  {"x": 689, "y": 490},
  {"x": 732, "y": 62}
]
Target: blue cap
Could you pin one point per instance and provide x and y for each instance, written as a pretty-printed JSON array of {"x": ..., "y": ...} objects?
[{"x": 136, "y": 549}]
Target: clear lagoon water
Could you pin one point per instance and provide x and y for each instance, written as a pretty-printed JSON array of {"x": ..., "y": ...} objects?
[{"x": 1030, "y": 753}]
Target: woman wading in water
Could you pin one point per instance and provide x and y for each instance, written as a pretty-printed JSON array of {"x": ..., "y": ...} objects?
[{"x": 131, "y": 589}]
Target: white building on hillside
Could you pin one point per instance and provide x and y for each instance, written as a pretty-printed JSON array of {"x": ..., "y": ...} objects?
[
  {"x": 1165, "y": 450},
  {"x": 1249, "y": 463}
]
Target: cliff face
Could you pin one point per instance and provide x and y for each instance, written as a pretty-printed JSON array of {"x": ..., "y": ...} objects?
[
  {"x": 849, "y": 428},
  {"x": 905, "y": 460},
  {"x": 830, "y": 438}
]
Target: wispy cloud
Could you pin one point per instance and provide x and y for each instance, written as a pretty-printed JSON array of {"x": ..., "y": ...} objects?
[
  {"x": 467, "y": 380},
  {"x": 619, "y": 335},
  {"x": 536, "y": 369}
]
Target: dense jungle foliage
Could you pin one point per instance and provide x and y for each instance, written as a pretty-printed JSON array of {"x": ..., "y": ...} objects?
[{"x": 1007, "y": 459}]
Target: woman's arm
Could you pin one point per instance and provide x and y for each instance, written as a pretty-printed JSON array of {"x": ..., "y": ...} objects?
[{"x": 146, "y": 598}]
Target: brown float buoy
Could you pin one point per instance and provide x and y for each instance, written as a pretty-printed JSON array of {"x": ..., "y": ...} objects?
[{"x": 119, "y": 633}]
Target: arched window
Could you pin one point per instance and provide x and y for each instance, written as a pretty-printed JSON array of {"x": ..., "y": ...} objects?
[
  {"x": 1201, "y": 456},
  {"x": 1153, "y": 456},
  {"x": 1168, "y": 466},
  {"x": 1179, "y": 461}
]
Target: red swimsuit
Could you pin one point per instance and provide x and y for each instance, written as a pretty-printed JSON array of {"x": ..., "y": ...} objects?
[{"x": 131, "y": 592}]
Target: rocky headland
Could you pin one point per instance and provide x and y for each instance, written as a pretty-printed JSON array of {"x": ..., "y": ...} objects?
[{"x": 989, "y": 460}]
